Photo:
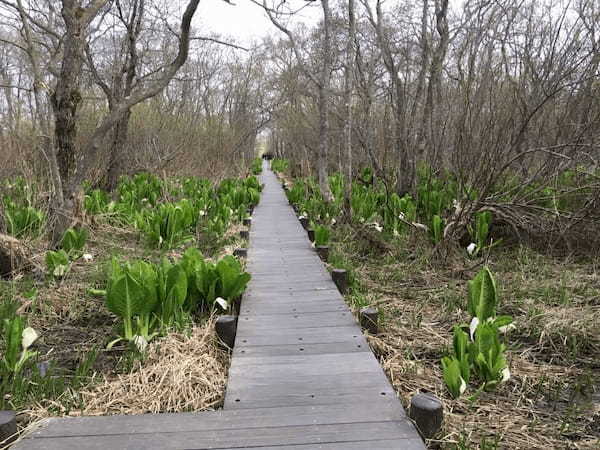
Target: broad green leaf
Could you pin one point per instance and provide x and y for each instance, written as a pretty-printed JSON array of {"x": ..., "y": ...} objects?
[
  {"x": 502, "y": 321},
  {"x": 482, "y": 295},
  {"x": 177, "y": 285},
  {"x": 452, "y": 376},
  {"x": 126, "y": 298},
  {"x": 13, "y": 331},
  {"x": 461, "y": 351}
]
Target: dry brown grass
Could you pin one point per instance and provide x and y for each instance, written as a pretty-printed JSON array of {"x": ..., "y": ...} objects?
[
  {"x": 179, "y": 373},
  {"x": 552, "y": 400}
]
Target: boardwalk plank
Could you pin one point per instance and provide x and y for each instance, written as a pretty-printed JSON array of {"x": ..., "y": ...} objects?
[
  {"x": 240, "y": 438},
  {"x": 219, "y": 420},
  {"x": 294, "y": 349}
]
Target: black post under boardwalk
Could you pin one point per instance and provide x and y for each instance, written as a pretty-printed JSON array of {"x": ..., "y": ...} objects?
[{"x": 302, "y": 375}]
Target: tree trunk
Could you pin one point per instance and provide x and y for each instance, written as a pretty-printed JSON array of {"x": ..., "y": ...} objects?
[
  {"x": 323, "y": 151},
  {"x": 405, "y": 177},
  {"x": 349, "y": 89},
  {"x": 433, "y": 88},
  {"x": 65, "y": 101},
  {"x": 324, "y": 88},
  {"x": 117, "y": 160}
]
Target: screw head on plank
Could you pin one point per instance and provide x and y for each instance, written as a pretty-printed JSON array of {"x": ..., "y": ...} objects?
[
  {"x": 323, "y": 252},
  {"x": 369, "y": 319},
  {"x": 340, "y": 278},
  {"x": 8, "y": 427},
  {"x": 427, "y": 411},
  {"x": 226, "y": 328},
  {"x": 241, "y": 252}
]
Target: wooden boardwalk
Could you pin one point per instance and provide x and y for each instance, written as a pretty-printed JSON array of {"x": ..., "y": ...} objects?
[{"x": 302, "y": 374}]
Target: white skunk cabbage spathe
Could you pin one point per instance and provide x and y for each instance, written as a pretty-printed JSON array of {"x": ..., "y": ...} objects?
[
  {"x": 473, "y": 326},
  {"x": 506, "y": 328},
  {"x": 87, "y": 257},
  {"x": 378, "y": 227},
  {"x": 141, "y": 343},
  {"x": 28, "y": 337},
  {"x": 471, "y": 248},
  {"x": 505, "y": 374},
  {"x": 222, "y": 302},
  {"x": 463, "y": 385}
]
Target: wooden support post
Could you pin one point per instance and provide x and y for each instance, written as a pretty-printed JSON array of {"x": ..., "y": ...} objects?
[
  {"x": 311, "y": 234},
  {"x": 245, "y": 234},
  {"x": 250, "y": 210},
  {"x": 241, "y": 252},
  {"x": 8, "y": 427},
  {"x": 323, "y": 252},
  {"x": 247, "y": 222},
  {"x": 304, "y": 222},
  {"x": 226, "y": 327},
  {"x": 340, "y": 278},
  {"x": 369, "y": 319},
  {"x": 237, "y": 306},
  {"x": 427, "y": 412}
]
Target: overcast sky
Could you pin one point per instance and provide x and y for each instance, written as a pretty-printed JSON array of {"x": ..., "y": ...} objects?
[{"x": 245, "y": 21}]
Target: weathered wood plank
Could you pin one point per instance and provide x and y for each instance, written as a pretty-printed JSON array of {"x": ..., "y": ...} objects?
[
  {"x": 294, "y": 349},
  {"x": 308, "y": 307},
  {"x": 295, "y": 320},
  {"x": 240, "y": 438},
  {"x": 221, "y": 420}
]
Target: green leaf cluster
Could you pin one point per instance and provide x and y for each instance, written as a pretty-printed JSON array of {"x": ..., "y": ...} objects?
[
  {"x": 480, "y": 233},
  {"x": 23, "y": 220},
  {"x": 280, "y": 165},
  {"x": 17, "y": 343},
  {"x": 209, "y": 281},
  {"x": 321, "y": 235},
  {"x": 168, "y": 225},
  {"x": 97, "y": 202},
  {"x": 58, "y": 263},
  {"x": 73, "y": 242},
  {"x": 256, "y": 166},
  {"x": 477, "y": 350},
  {"x": 152, "y": 298}
]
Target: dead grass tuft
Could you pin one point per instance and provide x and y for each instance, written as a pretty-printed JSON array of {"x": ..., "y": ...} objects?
[{"x": 180, "y": 373}]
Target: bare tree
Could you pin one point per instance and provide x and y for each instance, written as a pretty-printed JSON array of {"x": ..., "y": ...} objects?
[
  {"x": 67, "y": 98},
  {"x": 122, "y": 81},
  {"x": 348, "y": 94},
  {"x": 405, "y": 173}
]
